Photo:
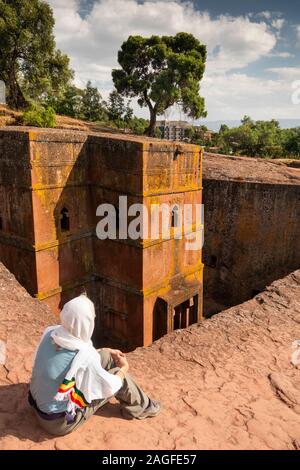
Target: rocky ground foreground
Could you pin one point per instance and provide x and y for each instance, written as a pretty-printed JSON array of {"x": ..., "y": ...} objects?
[{"x": 227, "y": 383}]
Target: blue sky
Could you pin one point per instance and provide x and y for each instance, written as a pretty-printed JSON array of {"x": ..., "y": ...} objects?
[{"x": 253, "y": 47}]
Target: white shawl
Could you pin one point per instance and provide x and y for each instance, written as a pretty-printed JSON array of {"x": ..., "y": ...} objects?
[{"x": 86, "y": 379}]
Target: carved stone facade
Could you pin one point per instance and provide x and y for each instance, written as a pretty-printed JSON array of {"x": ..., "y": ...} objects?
[{"x": 52, "y": 182}]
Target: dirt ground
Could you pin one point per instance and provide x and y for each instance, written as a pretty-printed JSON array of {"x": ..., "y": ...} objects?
[{"x": 227, "y": 383}]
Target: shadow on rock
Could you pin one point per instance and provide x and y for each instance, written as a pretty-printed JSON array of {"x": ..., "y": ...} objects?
[{"x": 17, "y": 417}]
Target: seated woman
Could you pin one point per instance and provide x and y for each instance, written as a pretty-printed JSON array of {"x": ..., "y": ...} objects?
[{"x": 71, "y": 380}]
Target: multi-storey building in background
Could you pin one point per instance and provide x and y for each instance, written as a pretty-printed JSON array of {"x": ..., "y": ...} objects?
[
  {"x": 173, "y": 130},
  {"x": 177, "y": 130}
]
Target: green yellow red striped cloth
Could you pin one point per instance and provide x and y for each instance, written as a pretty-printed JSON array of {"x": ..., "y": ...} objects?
[{"x": 69, "y": 387}]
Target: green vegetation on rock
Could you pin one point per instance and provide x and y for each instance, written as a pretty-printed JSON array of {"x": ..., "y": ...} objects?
[
  {"x": 38, "y": 116},
  {"x": 252, "y": 138}
]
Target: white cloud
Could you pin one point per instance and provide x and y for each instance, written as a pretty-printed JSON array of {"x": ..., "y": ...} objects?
[
  {"x": 96, "y": 39},
  {"x": 234, "y": 95},
  {"x": 298, "y": 32},
  {"x": 233, "y": 44},
  {"x": 265, "y": 14},
  {"x": 286, "y": 73},
  {"x": 281, "y": 55},
  {"x": 278, "y": 23}
]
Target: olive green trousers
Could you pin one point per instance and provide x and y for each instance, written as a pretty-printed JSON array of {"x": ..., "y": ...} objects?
[{"x": 131, "y": 397}]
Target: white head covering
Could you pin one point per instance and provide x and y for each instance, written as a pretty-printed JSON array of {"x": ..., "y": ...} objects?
[
  {"x": 86, "y": 380},
  {"x": 77, "y": 324}
]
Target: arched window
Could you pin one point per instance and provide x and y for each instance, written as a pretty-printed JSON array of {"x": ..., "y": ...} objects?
[
  {"x": 64, "y": 220},
  {"x": 175, "y": 217},
  {"x": 212, "y": 262}
]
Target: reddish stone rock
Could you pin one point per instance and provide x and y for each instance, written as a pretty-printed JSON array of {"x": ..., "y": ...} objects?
[
  {"x": 225, "y": 383},
  {"x": 51, "y": 184}
]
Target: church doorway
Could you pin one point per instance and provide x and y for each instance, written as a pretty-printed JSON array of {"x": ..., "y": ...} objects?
[{"x": 174, "y": 316}]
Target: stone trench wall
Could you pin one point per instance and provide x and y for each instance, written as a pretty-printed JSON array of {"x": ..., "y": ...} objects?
[{"x": 252, "y": 237}]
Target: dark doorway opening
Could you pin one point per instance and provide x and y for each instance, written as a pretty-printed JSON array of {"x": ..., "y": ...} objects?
[
  {"x": 212, "y": 262},
  {"x": 167, "y": 317},
  {"x": 185, "y": 314},
  {"x": 160, "y": 319},
  {"x": 64, "y": 220}
]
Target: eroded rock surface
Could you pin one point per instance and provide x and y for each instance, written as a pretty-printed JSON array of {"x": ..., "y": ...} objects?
[
  {"x": 260, "y": 170},
  {"x": 251, "y": 225},
  {"x": 227, "y": 383}
]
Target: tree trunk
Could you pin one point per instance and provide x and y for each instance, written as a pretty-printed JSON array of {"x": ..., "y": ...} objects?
[
  {"x": 15, "y": 98},
  {"x": 150, "y": 131}
]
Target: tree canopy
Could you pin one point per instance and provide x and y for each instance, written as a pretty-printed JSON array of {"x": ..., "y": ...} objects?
[
  {"x": 162, "y": 71},
  {"x": 254, "y": 139},
  {"x": 87, "y": 104},
  {"x": 92, "y": 104},
  {"x": 30, "y": 64},
  {"x": 260, "y": 138},
  {"x": 117, "y": 110}
]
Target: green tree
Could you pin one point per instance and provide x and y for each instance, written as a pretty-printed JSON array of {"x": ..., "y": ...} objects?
[
  {"x": 93, "y": 107},
  {"x": 30, "y": 64},
  {"x": 223, "y": 128},
  {"x": 292, "y": 142},
  {"x": 198, "y": 135},
  {"x": 162, "y": 71},
  {"x": 68, "y": 104},
  {"x": 252, "y": 138},
  {"x": 189, "y": 134},
  {"x": 138, "y": 125},
  {"x": 128, "y": 113},
  {"x": 246, "y": 120},
  {"x": 39, "y": 116},
  {"x": 118, "y": 111}
]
